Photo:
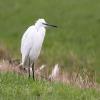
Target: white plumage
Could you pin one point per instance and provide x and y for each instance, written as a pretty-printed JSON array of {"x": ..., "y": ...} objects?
[{"x": 31, "y": 43}]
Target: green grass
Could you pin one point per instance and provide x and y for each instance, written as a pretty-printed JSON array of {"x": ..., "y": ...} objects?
[{"x": 17, "y": 87}]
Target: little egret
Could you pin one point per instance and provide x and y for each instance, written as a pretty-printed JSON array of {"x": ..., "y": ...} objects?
[{"x": 31, "y": 43}]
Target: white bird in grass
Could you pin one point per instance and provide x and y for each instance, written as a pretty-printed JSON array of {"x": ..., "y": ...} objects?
[{"x": 31, "y": 43}]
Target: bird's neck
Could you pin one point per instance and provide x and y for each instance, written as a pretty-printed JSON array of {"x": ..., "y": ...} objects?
[{"x": 39, "y": 27}]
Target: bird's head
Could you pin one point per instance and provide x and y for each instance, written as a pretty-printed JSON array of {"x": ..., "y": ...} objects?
[{"x": 43, "y": 23}]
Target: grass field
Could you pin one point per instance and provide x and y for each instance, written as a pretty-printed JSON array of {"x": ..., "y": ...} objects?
[
  {"x": 14, "y": 87},
  {"x": 75, "y": 40}
]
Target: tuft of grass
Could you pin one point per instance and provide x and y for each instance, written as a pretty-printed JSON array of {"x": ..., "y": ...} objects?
[
  {"x": 81, "y": 71},
  {"x": 15, "y": 87}
]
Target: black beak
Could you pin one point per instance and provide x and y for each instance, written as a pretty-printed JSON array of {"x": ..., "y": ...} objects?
[{"x": 50, "y": 25}]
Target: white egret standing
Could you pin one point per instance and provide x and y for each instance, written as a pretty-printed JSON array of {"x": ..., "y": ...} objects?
[{"x": 31, "y": 43}]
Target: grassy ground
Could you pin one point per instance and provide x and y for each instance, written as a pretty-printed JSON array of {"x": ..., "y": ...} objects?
[{"x": 14, "y": 87}]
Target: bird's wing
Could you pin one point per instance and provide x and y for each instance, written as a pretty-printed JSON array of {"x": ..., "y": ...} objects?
[{"x": 26, "y": 42}]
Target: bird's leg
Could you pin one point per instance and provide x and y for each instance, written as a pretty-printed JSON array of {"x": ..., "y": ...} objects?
[
  {"x": 33, "y": 71},
  {"x": 29, "y": 69}
]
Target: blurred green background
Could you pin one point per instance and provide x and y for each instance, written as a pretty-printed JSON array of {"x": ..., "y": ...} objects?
[{"x": 78, "y": 32}]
